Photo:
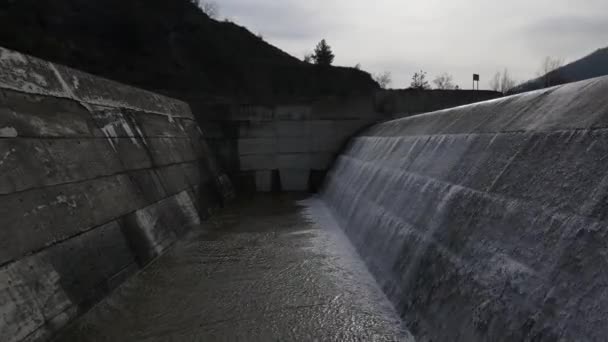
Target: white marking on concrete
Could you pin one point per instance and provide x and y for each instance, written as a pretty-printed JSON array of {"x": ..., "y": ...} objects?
[
  {"x": 75, "y": 82},
  {"x": 148, "y": 224},
  {"x": 6, "y": 155},
  {"x": 8, "y": 132},
  {"x": 39, "y": 79},
  {"x": 11, "y": 56}
]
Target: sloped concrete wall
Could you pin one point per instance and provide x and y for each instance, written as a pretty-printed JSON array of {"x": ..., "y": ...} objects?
[
  {"x": 96, "y": 179},
  {"x": 487, "y": 222}
]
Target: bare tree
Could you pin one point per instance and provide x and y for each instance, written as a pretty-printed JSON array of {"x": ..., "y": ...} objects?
[
  {"x": 444, "y": 81},
  {"x": 210, "y": 8},
  {"x": 419, "y": 81},
  {"x": 548, "y": 71},
  {"x": 308, "y": 58},
  {"x": 384, "y": 79},
  {"x": 502, "y": 82}
]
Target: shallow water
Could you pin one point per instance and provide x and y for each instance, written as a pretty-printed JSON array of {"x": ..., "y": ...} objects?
[{"x": 267, "y": 268}]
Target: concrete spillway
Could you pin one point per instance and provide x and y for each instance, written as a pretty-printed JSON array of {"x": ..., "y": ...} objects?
[
  {"x": 488, "y": 221},
  {"x": 484, "y": 222}
]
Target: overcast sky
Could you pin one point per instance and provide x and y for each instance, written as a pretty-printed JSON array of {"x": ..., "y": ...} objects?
[{"x": 461, "y": 37}]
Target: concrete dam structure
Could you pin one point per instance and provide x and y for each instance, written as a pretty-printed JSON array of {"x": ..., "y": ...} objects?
[
  {"x": 484, "y": 222},
  {"x": 96, "y": 180}
]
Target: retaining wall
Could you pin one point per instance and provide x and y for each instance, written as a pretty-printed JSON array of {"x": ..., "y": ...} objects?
[
  {"x": 96, "y": 179},
  {"x": 407, "y": 102},
  {"x": 290, "y": 145},
  {"x": 284, "y": 147},
  {"x": 487, "y": 222}
]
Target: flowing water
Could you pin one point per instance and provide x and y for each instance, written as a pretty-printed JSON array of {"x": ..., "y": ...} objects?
[{"x": 487, "y": 221}]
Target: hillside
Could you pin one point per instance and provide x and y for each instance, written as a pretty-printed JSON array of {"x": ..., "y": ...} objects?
[
  {"x": 166, "y": 46},
  {"x": 593, "y": 65}
]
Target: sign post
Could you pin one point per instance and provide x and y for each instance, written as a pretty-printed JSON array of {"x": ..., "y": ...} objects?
[{"x": 475, "y": 79}]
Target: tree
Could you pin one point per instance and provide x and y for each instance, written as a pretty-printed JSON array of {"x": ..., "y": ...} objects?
[
  {"x": 419, "y": 81},
  {"x": 323, "y": 54},
  {"x": 444, "y": 81},
  {"x": 308, "y": 58},
  {"x": 384, "y": 79},
  {"x": 548, "y": 71},
  {"x": 502, "y": 82},
  {"x": 210, "y": 8}
]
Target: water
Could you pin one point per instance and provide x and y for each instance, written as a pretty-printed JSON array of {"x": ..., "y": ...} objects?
[
  {"x": 268, "y": 268},
  {"x": 486, "y": 222}
]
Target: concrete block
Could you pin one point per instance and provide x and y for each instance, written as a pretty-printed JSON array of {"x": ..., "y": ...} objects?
[
  {"x": 151, "y": 230},
  {"x": 154, "y": 125},
  {"x": 40, "y": 217},
  {"x": 258, "y": 162},
  {"x": 292, "y": 129},
  {"x": 294, "y": 161},
  {"x": 254, "y": 113},
  {"x": 30, "y": 163},
  {"x": 166, "y": 151},
  {"x": 302, "y": 112},
  {"x": 179, "y": 177},
  {"x": 249, "y": 129},
  {"x": 263, "y": 181},
  {"x": 257, "y": 146},
  {"x": 100, "y": 91},
  {"x": 322, "y": 128},
  {"x": 321, "y": 161},
  {"x": 294, "y": 179},
  {"x": 207, "y": 129},
  {"x": 293, "y": 145},
  {"x": 39, "y": 116},
  {"x": 42, "y": 292},
  {"x": 327, "y": 143},
  {"x": 347, "y": 128},
  {"x": 24, "y": 286}
]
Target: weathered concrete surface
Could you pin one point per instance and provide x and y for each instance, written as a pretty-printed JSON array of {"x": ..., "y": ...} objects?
[
  {"x": 407, "y": 102},
  {"x": 264, "y": 271},
  {"x": 487, "y": 222},
  {"x": 291, "y": 144},
  {"x": 96, "y": 180}
]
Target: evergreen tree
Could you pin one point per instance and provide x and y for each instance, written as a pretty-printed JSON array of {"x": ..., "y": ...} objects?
[{"x": 323, "y": 54}]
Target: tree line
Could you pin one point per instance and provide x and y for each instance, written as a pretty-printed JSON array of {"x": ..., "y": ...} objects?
[{"x": 502, "y": 81}]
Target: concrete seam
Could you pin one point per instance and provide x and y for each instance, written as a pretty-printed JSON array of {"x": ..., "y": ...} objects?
[{"x": 126, "y": 172}]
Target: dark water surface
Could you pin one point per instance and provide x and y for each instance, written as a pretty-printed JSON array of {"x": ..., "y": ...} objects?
[{"x": 267, "y": 268}]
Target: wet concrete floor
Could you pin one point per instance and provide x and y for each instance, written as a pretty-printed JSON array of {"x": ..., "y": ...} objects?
[{"x": 268, "y": 268}]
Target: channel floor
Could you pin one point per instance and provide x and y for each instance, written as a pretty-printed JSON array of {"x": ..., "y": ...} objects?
[{"x": 266, "y": 268}]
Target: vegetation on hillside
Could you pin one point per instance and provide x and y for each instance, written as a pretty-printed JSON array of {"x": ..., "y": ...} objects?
[
  {"x": 167, "y": 46},
  {"x": 553, "y": 73}
]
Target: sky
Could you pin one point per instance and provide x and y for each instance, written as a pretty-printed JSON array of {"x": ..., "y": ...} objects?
[{"x": 460, "y": 37}]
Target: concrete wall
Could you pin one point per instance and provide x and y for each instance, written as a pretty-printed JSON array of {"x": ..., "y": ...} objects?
[
  {"x": 408, "y": 102},
  {"x": 96, "y": 179},
  {"x": 487, "y": 222},
  {"x": 284, "y": 147},
  {"x": 289, "y": 147}
]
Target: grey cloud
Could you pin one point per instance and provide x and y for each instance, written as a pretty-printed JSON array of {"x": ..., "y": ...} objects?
[
  {"x": 568, "y": 35},
  {"x": 281, "y": 20}
]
